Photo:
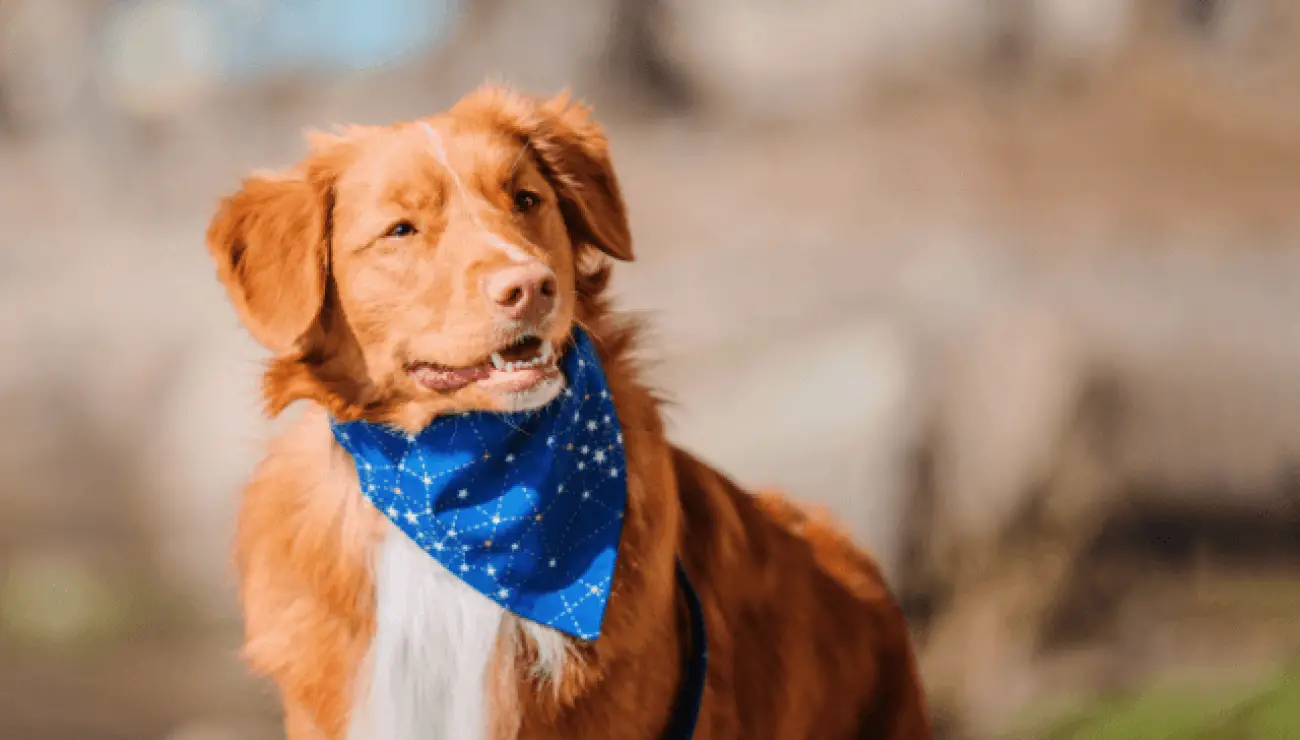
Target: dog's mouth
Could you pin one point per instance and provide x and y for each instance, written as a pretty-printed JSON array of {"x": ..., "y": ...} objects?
[{"x": 518, "y": 367}]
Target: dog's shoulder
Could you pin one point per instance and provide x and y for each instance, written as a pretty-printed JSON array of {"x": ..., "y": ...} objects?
[
  {"x": 302, "y": 554},
  {"x": 768, "y": 522},
  {"x": 304, "y": 496},
  {"x": 801, "y": 607},
  {"x": 832, "y": 547}
]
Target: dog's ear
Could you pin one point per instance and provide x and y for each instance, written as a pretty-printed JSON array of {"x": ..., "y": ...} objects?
[
  {"x": 270, "y": 242},
  {"x": 575, "y": 151},
  {"x": 574, "y": 156}
]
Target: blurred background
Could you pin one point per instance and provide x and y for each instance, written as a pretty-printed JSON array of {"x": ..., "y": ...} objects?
[{"x": 1011, "y": 286}]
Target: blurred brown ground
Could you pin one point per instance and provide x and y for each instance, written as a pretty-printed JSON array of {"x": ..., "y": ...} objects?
[{"x": 1014, "y": 294}]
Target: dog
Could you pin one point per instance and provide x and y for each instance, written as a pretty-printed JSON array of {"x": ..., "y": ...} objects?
[{"x": 390, "y": 273}]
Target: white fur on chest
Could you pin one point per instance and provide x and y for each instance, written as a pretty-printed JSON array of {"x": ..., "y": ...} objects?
[
  {"x": 434, "y": 640},
  {"x": 426, "y": 676}
]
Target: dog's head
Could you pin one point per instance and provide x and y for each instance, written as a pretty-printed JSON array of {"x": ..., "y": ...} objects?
[{"x": 427, "y": 267}]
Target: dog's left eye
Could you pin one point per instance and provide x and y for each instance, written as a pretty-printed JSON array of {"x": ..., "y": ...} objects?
[
  {"x": 526, "y": 200},
  {"x": 399, "y": 230}
]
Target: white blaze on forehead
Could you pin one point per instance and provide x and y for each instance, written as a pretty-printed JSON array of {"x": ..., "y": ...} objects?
[{"x": 440, "y": 154}]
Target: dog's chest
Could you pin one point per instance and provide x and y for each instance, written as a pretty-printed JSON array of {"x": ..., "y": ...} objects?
[{"x": 426, "y": 676}]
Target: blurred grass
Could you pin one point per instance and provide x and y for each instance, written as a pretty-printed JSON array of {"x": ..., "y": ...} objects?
[{"x": 1270, "y": 711}]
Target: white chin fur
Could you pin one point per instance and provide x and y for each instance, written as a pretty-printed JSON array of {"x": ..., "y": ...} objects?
[{"x": 535, "y": 397}]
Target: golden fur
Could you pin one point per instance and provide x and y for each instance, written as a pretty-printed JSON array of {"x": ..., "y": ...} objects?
[{"x": 805, "y": 640}]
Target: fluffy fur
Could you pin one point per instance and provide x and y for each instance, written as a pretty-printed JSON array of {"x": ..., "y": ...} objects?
[
  {"x": 427, "y": 617},
  {"x": 365, "y": 639}
]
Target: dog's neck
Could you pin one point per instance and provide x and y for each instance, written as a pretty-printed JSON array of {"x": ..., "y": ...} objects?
[
  {"x": 536, "y": 681},
  {"x": 526, "y": 508},
  {"x": 644, "y": 621}
]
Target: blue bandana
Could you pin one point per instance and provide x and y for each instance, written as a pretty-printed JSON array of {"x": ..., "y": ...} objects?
[{"x": 526, "y": 508}]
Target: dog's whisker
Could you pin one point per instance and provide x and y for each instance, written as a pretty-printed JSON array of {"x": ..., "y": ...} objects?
[
  {"x": 514, "y": 165},
  {"x": 595, "y": 336}
]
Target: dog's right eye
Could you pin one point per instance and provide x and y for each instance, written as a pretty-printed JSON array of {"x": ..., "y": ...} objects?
[{"x": 399, "y": 230}]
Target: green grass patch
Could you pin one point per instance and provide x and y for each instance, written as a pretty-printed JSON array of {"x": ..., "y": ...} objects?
[{"x": 1270, "y": 711}]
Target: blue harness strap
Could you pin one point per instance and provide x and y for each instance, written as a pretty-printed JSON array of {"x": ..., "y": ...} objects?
[{"x": 686, "y": 710}]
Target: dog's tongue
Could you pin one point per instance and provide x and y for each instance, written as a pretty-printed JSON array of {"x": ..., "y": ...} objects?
[{"x": 447, "y": 379}]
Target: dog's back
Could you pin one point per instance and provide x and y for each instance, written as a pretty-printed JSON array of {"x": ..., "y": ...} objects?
[{"x": 810, "y": 640}]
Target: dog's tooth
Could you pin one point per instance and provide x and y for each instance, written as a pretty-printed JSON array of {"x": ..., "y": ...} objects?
[
  {"x": 498, "y": 361},
  {"x": 548, "y": 351}
]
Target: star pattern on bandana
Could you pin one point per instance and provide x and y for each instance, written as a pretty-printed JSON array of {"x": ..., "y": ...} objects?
[{"x": 526, "y": 508}]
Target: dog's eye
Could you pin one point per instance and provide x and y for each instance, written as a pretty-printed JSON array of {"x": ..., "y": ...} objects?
[
  {"x": 526, "y": 200},
  {"x": 399, "y": 230}
]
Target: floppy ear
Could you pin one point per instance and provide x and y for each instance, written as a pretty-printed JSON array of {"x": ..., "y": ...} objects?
[
  {"x": 574, "y": 149},
  {"x": 269, "y": 241},
  {"x": 574, "y": 157}
]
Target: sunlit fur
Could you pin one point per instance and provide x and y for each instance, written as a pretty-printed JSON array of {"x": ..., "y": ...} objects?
[{"x": 804, "y": 639}]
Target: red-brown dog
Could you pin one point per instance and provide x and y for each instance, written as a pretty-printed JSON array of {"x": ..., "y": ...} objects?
[{"x": 384, "y": 271}]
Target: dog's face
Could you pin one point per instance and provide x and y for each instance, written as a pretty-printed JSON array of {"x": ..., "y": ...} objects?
[{"x": 429, "y": 266}]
